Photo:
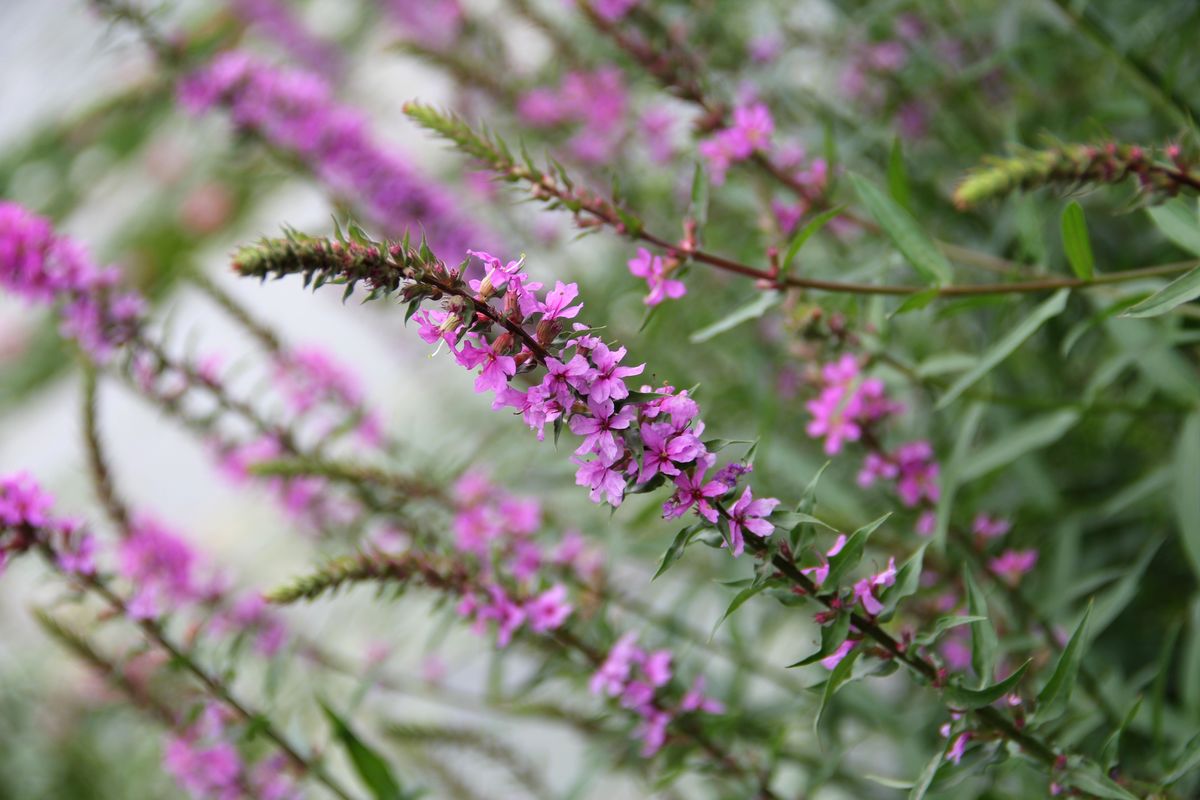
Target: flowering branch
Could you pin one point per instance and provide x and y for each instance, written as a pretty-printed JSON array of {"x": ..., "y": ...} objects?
[
  {"x": 1071, "y": 166},
  {"x": 591, "y": 209}
]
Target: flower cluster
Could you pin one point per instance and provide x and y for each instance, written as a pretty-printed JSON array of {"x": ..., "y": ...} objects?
[
  {"x": 45, "y": 268},
  {"x": 846, "y": 404},
  {"x": 274, "y": 19},
  {"x": 205, "y": 762},
  {"x": 313, "y": 381},
  {"x": 435, "y": 23},
  {"x": 497, "y": 529},
  {"x": 653, "y": 269},
  {"x": 613, "y": 10},
  {"x": 295, "y": 111},
  {"x": 27, "y": 520},
  {"x": 750, "y": 133},
  {"x": 592, "y": 103},
  {"x": 635, "y": 676},
  {"x": 500, "y": 326}
]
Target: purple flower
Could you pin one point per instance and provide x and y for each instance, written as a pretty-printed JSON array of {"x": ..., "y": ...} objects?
[
  {"x": 607, "y": 380},
  {"x": 989, "y": 527},
  {"x": 653, "y": 270},
  {"x": 1012, "y": 565},
  {"x": 613, "y": 673},
  {"x": 833, "y": 659},
  {"x": 563, "y": 380},
  {"x": 664, "y": 448},
  {"x": 603, "y": 480},
  {"x": 497, "y": 369},
  {"x": 599, "y": 429},
  {"x": 749, "y": 514},
  {"x": 613, "y": 10},
  {"x": 557, "y": 301},
  {"x": 692, "y": 491},
  {"x": 958, "y": 747},
  {"x": 695, "y": 700},
  {"x": 548, "y": 610}
]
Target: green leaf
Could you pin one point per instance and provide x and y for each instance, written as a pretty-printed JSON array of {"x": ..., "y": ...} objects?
[
  {"x": 960, "y": 697},
  {"x": 1186, "y": 492},
  {"x": 925, "y": 779},
  {"x": 840, "y": 675},
  {"x": 1112, "y": 601},
  {"x": 790, "y": 519},
  {"x": 805, "y": 233},
  {"x": 675, "y": 551},
  {"x": 904, "y": 232},
  {"x": 1179, "y": 291},
  {"x": 1178, "y": 222},
  {"x": 369, "y": 765},
  {"x": 1188, "y": 760},
  {"x": 1089, "y": 779},
  {"x": 752, "y": 310},
  {"x": 944, "y": 624},
  {"x": 983, "y": 636},
  {"x": 1054, "y": 697},
  {"x": 1007, "y": 345},
  {"x": 908, "y": 580},
  {"x": 832, "y": 636},
  {"x": 897, "y": 177},
  {"x": 1016, "y": 442},
  {"x": 1110, "y": 752},
  {"x": 738, "y": 600},
  {"x": 915, "y": 302},
  {"x": 852, "y": 553},
  {"x": 1076, "y": 243}
]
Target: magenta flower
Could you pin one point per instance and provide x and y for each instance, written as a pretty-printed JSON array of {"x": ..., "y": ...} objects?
[
  {"x": 607, "y": 380},
  {"x": 613, "y": 10},
  {"x": 918, "y": 474},
  {"x": 989, "y": 527},
  {"x": 695, "y": 700},
  {"x": 497, "y": 369},
  {"x": 653, "y": 270},
  {"x": 604, "y": 480},
  {"x": 958, "y": 747},
  {"x": 664, "y": 449},
  {"x": 833, "y": 659},
  {"x": 599, "y": 429},
  {"x": 612, "y": 675},
  {"x": 749, "y": 514},
  {"x": 1012, "y": 565},
  {"x": 557, "y": 301},
  {"x": 563, "y": 380},
  {"x": 548, "y": 610},
  {"x": 691, "y": 490},
  {"x": 754, "y": 127}
]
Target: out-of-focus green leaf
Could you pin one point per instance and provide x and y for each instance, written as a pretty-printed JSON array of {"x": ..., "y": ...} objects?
[
  {"x": 983, "y": 636},
  {"x": 1054, "y": 697},
  {"x": 1187, "y": 488},
  {"x": 852, "y": 553},
  {"x": 908, "y": 580},
  {"x": 1110, "y": 752},
  {"x": 738, "y": 601},
  {"x": 832, "y": 636},
  {"x": 370, "y": 766},
  {"x": 1109, "y": 603},
  {"x": 961, "y": 697},
  {"x": 1008, "y": 344},
  {"x": 675, "y": 551},
  {"x": 1076, "y": 243},
  {"x": 1179, "y": 291},
  {"x": 752, "y": 310},
  {"x": 839, "y": 677},
  {"x": 1188, "y": 760},
  {"x": 1189, "y": 672},
  {"x": 897, "y": 176},
  {"x": 905, "y": 233},
  {"x": 804, "y": 234},
  {"x": 1039, "y": 432},
  {"x": 944, "y": 624},
  {"x": 927, "y": 776},
  {"x": 1177, "y": 221},
  {"x": 1089, "y": 779}
]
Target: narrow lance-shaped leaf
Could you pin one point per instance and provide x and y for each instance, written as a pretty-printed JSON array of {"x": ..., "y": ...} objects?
[
  {"x": 983, "y": 636},
  {"x": 849, "y": 556},
  {"x": 754, "y": 309},
  {"x": 961, "y": 697},
  {"x": 370, "y": 766},
  {"x": 832, "y": 636},
  {"x": 805, "y": 233},
  {"x": 905, "y": 233},
  {"x": 1013, "y": 443},
  {"x": 840, "y": 675},
  {"x": 898, "y": 176},
  {"x": 1007, "y": 345},
  {"x": 1177, "y": 220},
  {"x": 1054, "y": 697},
  {"x": 1186, "y": 492},
  {"x": 927, "y": 776},
  {"x": 908, "y": 580},
  {"x": 738, "y": 601},
  {"x": 1076, "y": 243},
  {"x": 1183, "y": 289}
]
